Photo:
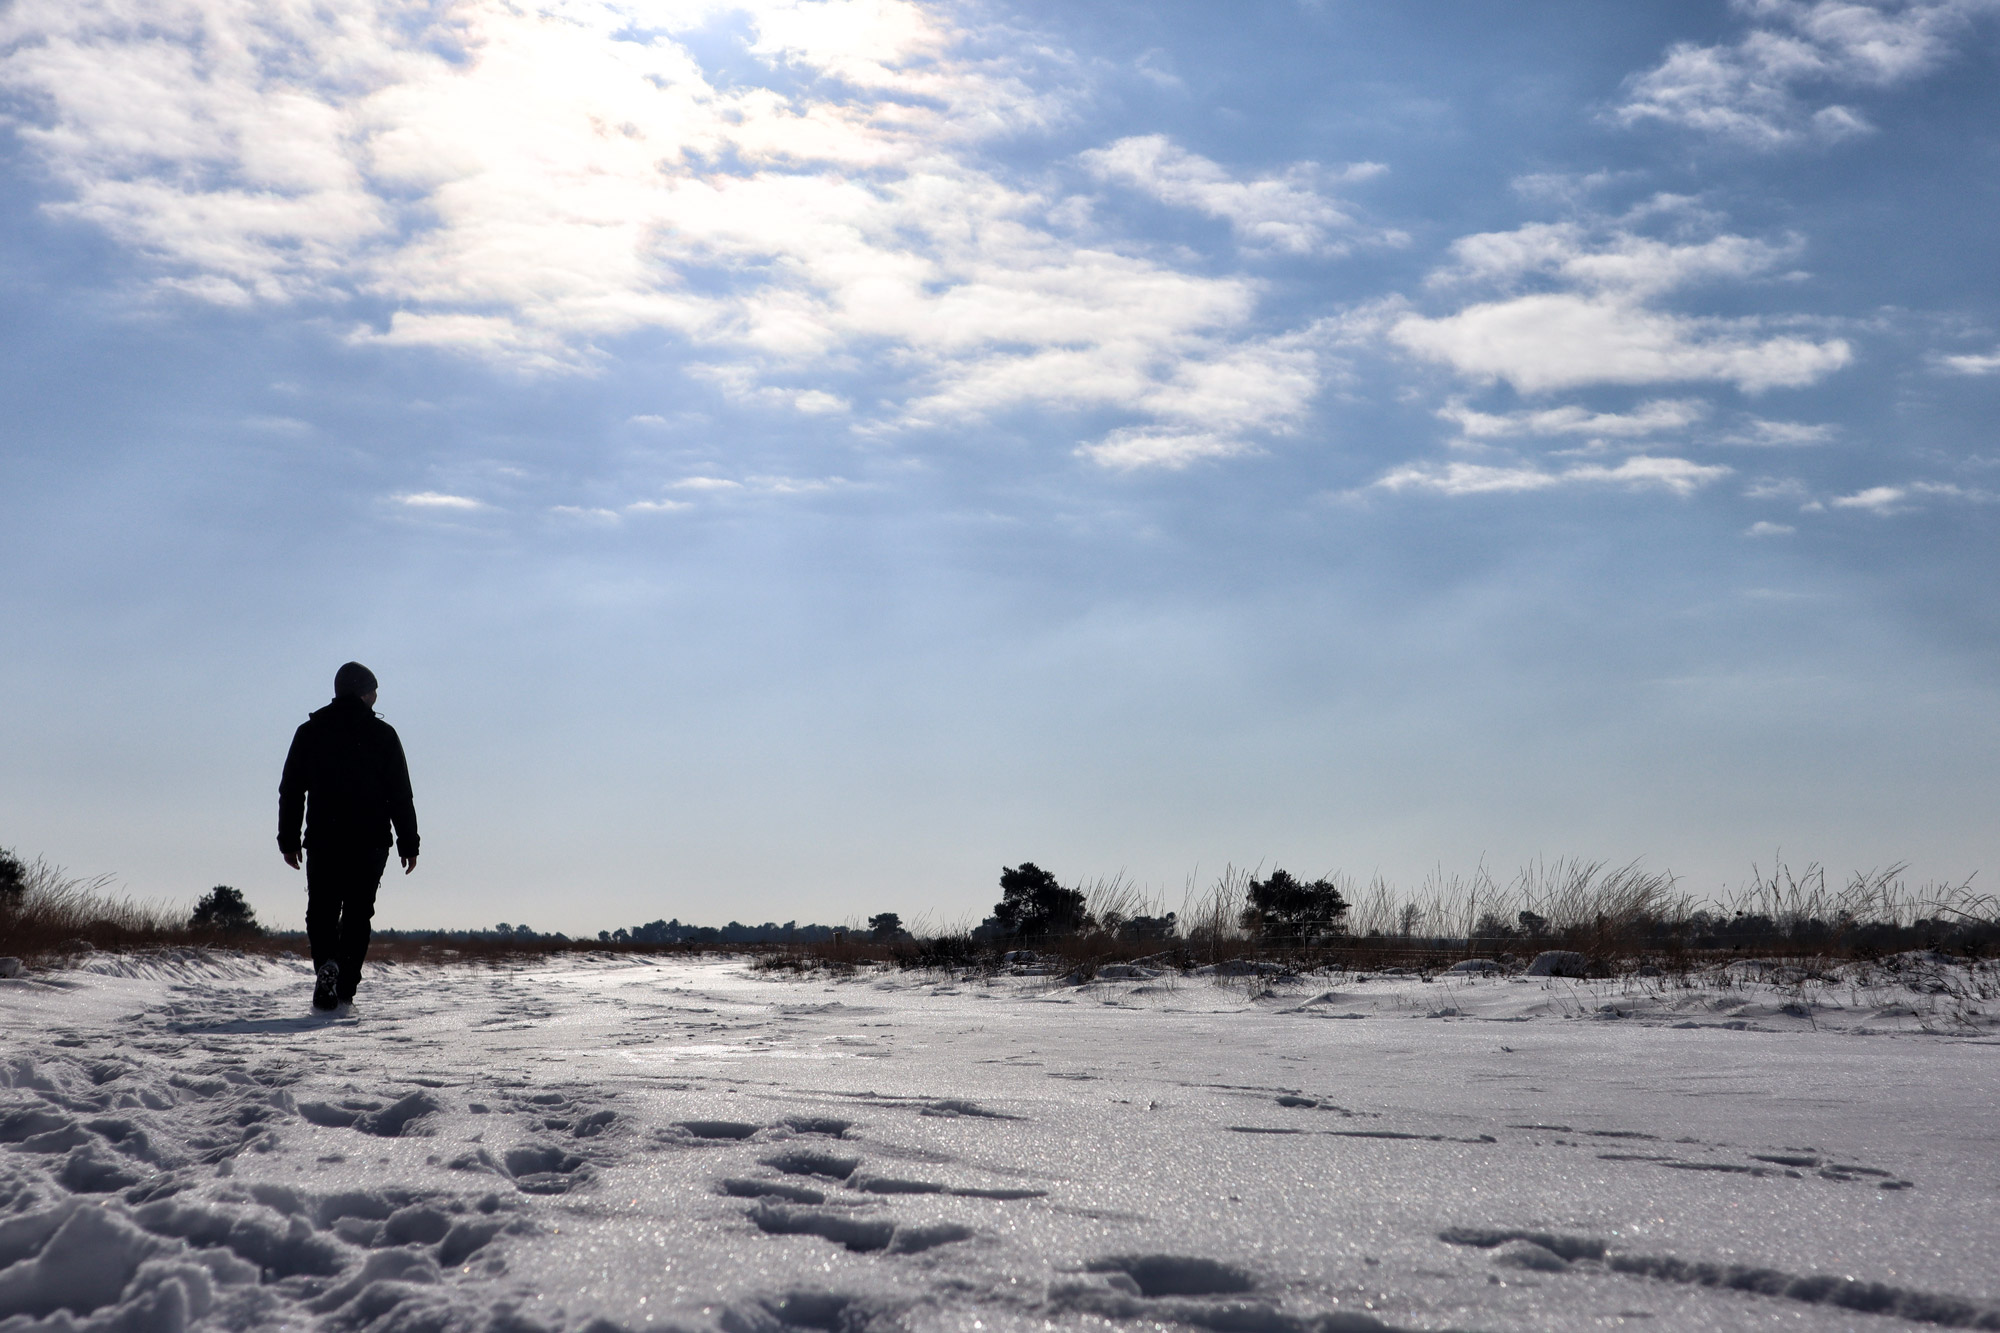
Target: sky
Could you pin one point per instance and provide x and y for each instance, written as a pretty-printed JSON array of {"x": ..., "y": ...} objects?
[{"x": 787, "y": 459}]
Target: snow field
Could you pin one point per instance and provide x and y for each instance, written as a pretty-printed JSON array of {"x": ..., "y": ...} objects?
[{"x": 589, "y": 1144}]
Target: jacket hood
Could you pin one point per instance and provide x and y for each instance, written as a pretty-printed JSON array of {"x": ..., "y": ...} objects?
[{"x": 343, "y": 706}]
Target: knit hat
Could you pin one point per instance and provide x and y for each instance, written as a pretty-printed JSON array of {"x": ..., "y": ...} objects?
[{"x": 353, "y": 679}]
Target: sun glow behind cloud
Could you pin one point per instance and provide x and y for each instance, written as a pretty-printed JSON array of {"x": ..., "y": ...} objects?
[
  {"x": 822, "y": 206},
  {"x": 915, "y": 424},
  {"x": 528, "y": 184}
]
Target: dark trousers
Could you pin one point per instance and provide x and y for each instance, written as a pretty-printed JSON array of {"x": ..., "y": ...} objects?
[{"x": 340, "y": 902}]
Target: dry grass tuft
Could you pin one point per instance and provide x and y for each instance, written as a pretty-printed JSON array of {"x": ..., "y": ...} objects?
[
  {"x": 1619, "y": 917},
  {"x": 55, "y": 913}
]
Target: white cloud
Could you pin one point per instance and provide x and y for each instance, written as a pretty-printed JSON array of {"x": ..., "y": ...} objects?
[
  {"x": 1649, "y": 419},
  {"x": 1900, "y": 499},
  {"x": 1659, "y": 416},
  {"x": 1286, "y": 212},
  {"x": 657, "y": 506},
  {"x": 817, "y": 402},
  {"x": 525, "y": 183},
  {"x": 1762, "y": 89},
  {"x": 594, "y": 515},
  {"x": 437, "y": 500},
  {"x": 1619, "y": 261},
  {"x": 1600, "y": 328},
  {"x": 279, "y": 425},
  {"x": 1759, "y": 433},
  {"x": 1977, "y": 363},
  {"x": 766, "y": 484},
  {"x": 1763, "y": 528},
  {"x": 1876, "y": 500},
  {"x": 1776, "y": 488},
  {"x": 1136, "y": 447},
  {"x": 1157, "y": 67},
  {"x": 1953, "y": 491},
  {"x": 780, "y": 485},
  {"x": 1677, "y": 475},
  {"x": 1561, "y": 187},
  {"x": 1566, "y": 341}
]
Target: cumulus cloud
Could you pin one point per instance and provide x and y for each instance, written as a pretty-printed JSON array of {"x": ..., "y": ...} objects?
[
  {"x": 1876, "y": 499},
  {"x": 1975, "y": 363},
  {"x": 1900, "y": 499},
  {"x": 1760, "y": 433},
  {"x": 437, "y": 500},
  {"x": 1661, "y": 415},
  {"x": 1765, "y": 528},
  {"x": 1603, "y": 260},
  {"x": 1136, "y": 447},
  {"x": 1285, "y": 212},
  {"x": 527, "y": 182},
  {"x": 761, "y": 484},
  {"x": 1576, "y": 307},
  {"x": 1646, "y": 420},
  {"x": 1775, "y": 85},
  {"x": 1676, "y": 475}
]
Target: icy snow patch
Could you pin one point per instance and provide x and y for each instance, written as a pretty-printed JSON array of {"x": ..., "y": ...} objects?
[{"x": 599, "y": 1145}]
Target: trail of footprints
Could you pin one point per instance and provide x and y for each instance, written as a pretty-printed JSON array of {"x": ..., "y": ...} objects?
[
  {"x": 117, "y": 1166},
  {"x": 1553, "y": 1253},
  {"x": 127, "y": 1178},
  {"x": 119, "y": 1207},
  {"x": 815, "y": 1191},
  {"x": 125, "y": 1174},
  {"x": 1789, "y": 1163}
]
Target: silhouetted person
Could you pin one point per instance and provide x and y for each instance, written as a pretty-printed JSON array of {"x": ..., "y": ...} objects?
[{"x": 347, "y": 780}]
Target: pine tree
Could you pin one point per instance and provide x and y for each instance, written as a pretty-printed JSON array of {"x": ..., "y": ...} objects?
[
  {"x": 223, "y": 908},
  {"x": 1286, "y": 908},
  {"x": 1033, "y": 904}
]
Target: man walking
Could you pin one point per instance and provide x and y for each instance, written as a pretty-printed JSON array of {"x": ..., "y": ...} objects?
[{"x": 347, "y": 781}]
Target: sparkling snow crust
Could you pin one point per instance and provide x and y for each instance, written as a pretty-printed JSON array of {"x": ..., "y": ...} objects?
[{"x": 640, "y": 1143}]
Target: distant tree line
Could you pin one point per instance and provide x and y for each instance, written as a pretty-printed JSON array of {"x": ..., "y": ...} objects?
[
  {"x": 653, "y": 932},
  {"x": 1281, "y": 909},
  {"x": 674, "y": 932}
]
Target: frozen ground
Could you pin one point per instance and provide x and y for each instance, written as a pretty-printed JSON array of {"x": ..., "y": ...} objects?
[{"x": 693, "y": 1144}]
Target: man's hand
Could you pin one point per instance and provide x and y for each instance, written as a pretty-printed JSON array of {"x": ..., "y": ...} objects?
[
  {"x": 291, "y": 859},
  {"x": 409, "y": 864}
]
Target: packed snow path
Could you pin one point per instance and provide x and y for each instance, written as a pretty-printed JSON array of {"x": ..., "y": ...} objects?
[{"x": 698, "y": 1145}]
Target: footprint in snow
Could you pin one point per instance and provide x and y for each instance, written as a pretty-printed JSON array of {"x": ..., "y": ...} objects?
[
  {"x": 1549, "y": 1252},
  {"x": 717, "y": 1129},
  {"x": 1174, "y": 1275},
  {"x": 863, "y": 1235},
  {"x": 404, "y": 1118},
  {"x": 803, "y": 1162},
  {"x": 535, "y": 1168}
]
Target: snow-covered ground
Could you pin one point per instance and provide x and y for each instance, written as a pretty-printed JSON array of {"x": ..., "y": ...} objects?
[{"x": 698, "y": 1145}]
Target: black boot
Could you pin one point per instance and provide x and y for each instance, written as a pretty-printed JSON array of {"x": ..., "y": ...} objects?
[{"x": 325, "y": 991}]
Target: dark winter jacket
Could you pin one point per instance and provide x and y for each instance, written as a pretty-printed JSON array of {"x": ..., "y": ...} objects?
[{"x": 347, "y": 780}]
